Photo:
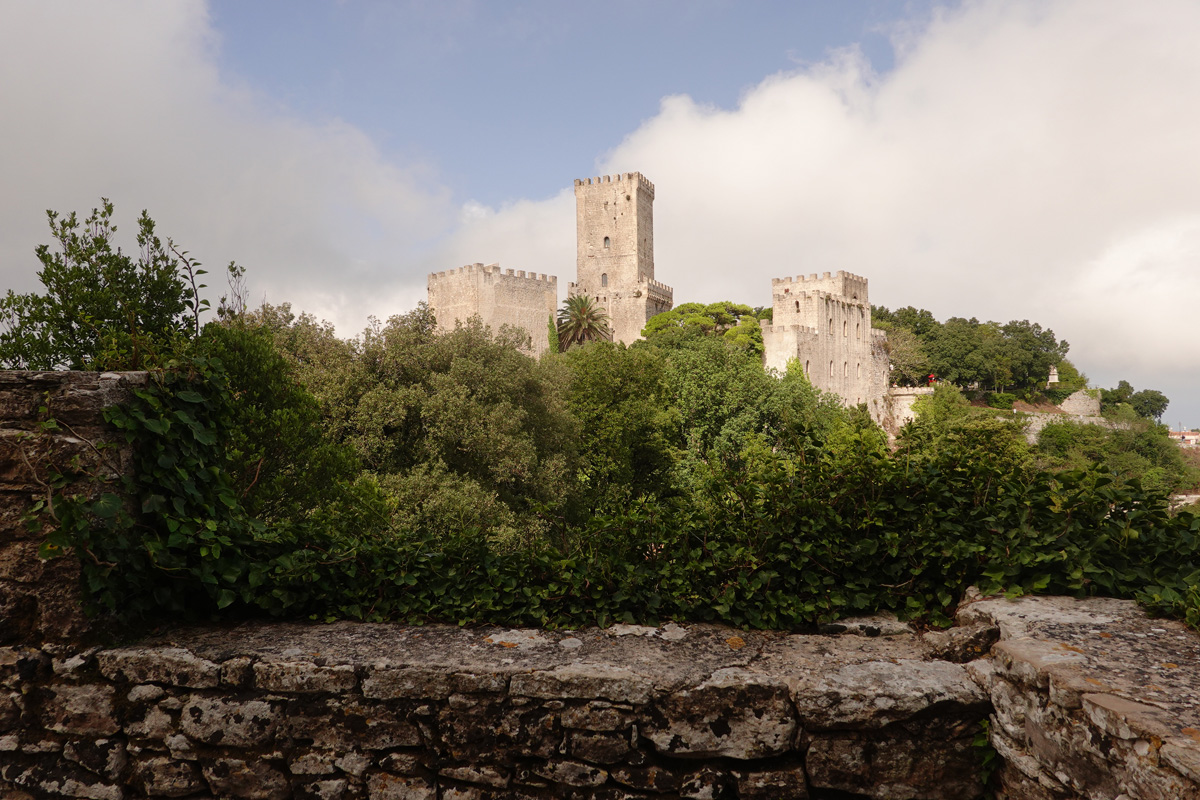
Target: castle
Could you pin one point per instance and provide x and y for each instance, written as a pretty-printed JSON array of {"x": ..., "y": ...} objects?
[{"x": 824, "y": 323}]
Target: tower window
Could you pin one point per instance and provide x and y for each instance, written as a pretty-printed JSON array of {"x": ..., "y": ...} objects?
[
  {"x": 857, "y": 330},
  {"x": 604, "y": 276},
  {"x": 845, "y": 328},
  {"x": 607, "y": 242},
  {"x": 845, "y": 369},
  {"x": 831, "y": 326},
  {"x": 831, "y": 369},
  {"x": 797, "y": 305},
  {"x": 805, "y": 367}
]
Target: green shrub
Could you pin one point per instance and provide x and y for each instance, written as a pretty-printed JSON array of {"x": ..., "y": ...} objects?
[{"x": 1001, "y": 400}]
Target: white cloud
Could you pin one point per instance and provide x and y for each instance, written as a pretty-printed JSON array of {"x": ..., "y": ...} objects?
[
  {"x": 124, "y": 100},
  {"x": 1023, "y": 160}
]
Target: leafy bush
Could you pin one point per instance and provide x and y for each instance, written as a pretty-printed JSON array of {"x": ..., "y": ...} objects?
[{"x": 1001, "y": 400}]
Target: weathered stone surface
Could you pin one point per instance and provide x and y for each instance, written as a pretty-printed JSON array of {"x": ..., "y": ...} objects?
[
  {"x": 961, "y": 644},
  {"x": 212, "y": 720},
  {"x": 572, "y": 773},
  {"x": 772, "y": 784},
  {"x": 173, "y": 666},
  {"x": 1091, "y": 697},
  {"x": 585, "y": 681},
  {"x": 106, "y": 757},
  {"x": 382, "y": 786},
  {"x": 322, "y": 790},
  {"x": 85, "y": 710},
  {"x": 890, "y": 765},
  {"x": 735, "y": 714},
  {"x": 878, "y": 693},
  {"x": 165, "y": 777},
  {"x": 254, "y": 780},
  {"x": 303, "y": 677},
  {"x": 483, "y": 774}
]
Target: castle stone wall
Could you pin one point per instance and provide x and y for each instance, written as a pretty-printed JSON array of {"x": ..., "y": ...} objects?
[
  {"x": 825, "y": 323},
  {"x": 614, "y": 226},
  {"x": 498, "y": 297}
]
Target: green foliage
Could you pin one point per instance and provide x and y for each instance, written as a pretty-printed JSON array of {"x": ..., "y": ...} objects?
[
  {"x": 102, "y": 309},
  {"x": 1016, "y": 355},
  {"x": 1136, "y": 451},
  {"x": 581, "y": 320},
  {"x": 735, "y": 322},
  {"x": 1147, "y": 403},
  {"x": 552, "y": 334},
  {"x": 1001, "y": 400},
  {"x": 411, "y": 475}
]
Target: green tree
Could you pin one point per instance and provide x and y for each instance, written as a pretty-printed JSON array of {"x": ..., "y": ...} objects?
[
  {"x": 737, "y": 323},
  {"x": 581, "y": 320},
  {"x": 1150, "y": 403},
  {"x": 102, "y": 309},
  {"x": 552, "y": 334}
]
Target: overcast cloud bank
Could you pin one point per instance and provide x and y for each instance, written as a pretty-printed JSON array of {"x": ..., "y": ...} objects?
[{"x": 1023, "y": 160}]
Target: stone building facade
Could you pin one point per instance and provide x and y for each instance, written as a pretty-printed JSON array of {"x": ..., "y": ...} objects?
[
  {"x": 498, "y": 298},
  {"x": 614, "y": 225},
  {"x": 825, "y": 323}
]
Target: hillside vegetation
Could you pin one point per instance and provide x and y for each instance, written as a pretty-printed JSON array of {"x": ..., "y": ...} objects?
[{"x": 410, "y": 475}]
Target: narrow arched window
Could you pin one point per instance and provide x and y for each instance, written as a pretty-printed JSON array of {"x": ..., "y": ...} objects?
[
  {"x": 831, "y": 326},
  {"x": 845, "y": 328},
  {"x": 857, "y": 330},
  {"x": 858, "y": 370},
  {"x": 805, "y": 367},
  {"x": 607, "y": 242},
  {"x": 845, "y": 369},
  {"x": 831, "y": 369},
  {"x": 797, "y": 305},
  {"x": 604, "y": 276}
]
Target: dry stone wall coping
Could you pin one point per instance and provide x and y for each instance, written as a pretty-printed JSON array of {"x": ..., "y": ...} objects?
[{"x": 1092, "y": 698}]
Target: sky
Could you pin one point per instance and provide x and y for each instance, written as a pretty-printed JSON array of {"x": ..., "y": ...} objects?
[{"x": 998, "y": 159}]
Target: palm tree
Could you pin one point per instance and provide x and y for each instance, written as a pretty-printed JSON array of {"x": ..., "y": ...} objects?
[{"x": 581, "y": 320}]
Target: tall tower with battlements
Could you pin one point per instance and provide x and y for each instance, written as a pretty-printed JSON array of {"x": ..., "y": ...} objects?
[{"x": 614, "y": 226}]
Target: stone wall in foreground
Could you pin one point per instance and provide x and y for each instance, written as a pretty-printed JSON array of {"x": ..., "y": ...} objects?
[{"x": 389, "y": 711}]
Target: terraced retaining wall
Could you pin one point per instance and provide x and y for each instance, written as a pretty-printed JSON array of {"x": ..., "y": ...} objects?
[{"x": 1084, "y": 698}]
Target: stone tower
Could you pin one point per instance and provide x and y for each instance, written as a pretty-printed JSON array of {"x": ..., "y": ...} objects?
[
  {"x": 614, "y": 225},
  {"x": 498, "y": 297}
]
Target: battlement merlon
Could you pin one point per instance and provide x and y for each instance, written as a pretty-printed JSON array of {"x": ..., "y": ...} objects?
[
  {"x": 636, "y": 177},
  {"x": 506, "y": 276},
  {"x": 850, "y": 287}
]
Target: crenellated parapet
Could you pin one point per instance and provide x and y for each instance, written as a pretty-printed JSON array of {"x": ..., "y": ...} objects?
[
  {"x": 498, "y": 297},
  {"x": 635, "y": 178},
  {"x": 493, "y": 271},
  {"x": 849, "y": 287}
]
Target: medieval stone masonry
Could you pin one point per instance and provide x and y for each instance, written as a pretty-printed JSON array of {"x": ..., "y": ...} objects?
[
  {"x": 824, "y": 323},
  {"x": 614, "y": 263},
  {"x": 498, "y": 298},
  {"x": 821, "y": 322}
]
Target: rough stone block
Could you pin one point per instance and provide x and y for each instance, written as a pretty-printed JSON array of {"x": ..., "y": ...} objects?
[
  {"x": 772, "y": 784},
  {"x": 84, "y": 710},
  {"x": 414, "y": 682},
  {"x": 585, "y": 682},
  {"x": 734, "y": 714},
  {"x": 599, "y": 748},
  {"x": 254, "y": 780},
  {"x": 173, "y": 666},
  {"x": 160, "y": 776},
  {"x": 303, "y": 677},
  {"x": 596, "y": 716},
  {"x": 572, "y": 773},
  {"x": 382, "y": 786},
  {"x": 229, "y": 723},
  {"x": 105, "y": 757},
  {"x": 886, "y": 766},
  {"x": 322, "y": 790},
  {"x": 877, "y": 693},
  {"x": 484, "y": 774}
]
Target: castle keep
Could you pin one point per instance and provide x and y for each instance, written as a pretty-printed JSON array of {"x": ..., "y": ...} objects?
[
  {"x": 498, "y": 298},
  {"x": 614, "y": 261},
  {"x": 823, "y": 323}
]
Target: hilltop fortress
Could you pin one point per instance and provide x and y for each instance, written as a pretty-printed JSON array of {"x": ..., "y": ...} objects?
[{"x": 823, "y": 322}]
